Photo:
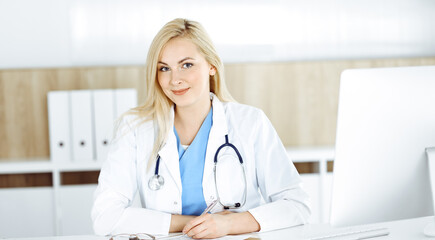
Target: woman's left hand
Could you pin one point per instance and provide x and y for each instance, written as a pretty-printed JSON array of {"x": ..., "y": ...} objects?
[{"x": 209, "y": 225}]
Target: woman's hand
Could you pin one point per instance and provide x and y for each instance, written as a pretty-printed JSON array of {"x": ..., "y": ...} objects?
[
  {"x": 221, "y": 224},
  {"x": 209, "y": 225}
]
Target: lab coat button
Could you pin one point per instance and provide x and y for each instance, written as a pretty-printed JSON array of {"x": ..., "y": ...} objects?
[
  {"x": 211, "y": 198},
  {"x": 175, "y": 202}
]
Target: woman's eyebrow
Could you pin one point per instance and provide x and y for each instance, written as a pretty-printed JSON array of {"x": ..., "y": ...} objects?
[
  {"x": 182, "y": 60},
  {"x": 186, "y": 58}
]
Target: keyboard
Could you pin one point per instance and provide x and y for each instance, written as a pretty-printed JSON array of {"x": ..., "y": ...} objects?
[{"x": 352, "y": 234}]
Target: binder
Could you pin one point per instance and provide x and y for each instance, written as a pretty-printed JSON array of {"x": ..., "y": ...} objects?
[
  {"x": 124, "y": 100},
  {"x": 81, "y": 126},
  {"x": 104, "y": 115},
  {"x": 59, "y": 126}
]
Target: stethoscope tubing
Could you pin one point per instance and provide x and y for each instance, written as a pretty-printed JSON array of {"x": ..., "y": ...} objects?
[
  {"x": 236, "y": 205},
  {"x": 156, "y": 171},
  {"x": 226, "y": 144}
]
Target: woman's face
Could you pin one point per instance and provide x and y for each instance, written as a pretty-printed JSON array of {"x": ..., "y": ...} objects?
[{"x": 183, "y": 73}]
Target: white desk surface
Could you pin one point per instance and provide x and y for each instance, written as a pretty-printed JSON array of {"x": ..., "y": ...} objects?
[{"x": 409, "y": 229}]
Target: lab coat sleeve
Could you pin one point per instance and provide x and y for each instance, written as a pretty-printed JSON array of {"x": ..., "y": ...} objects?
[
  {"x": 117, "y": 185},
  {"x": 287, "y": 204}
]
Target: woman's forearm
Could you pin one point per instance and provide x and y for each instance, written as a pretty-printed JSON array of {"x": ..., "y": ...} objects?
[
  {"x": 239, "y": 223},
  {"x": 178, "y": 222}
]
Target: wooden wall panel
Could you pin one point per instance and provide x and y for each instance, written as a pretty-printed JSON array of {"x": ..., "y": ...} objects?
[
  {"x": 26, "y": 180},
  {"x": 300, "y": 98},
  {"x": 4, "y": 147},
  {"x": 79, "y": 178},
  {"x": 23, "y": 102}
]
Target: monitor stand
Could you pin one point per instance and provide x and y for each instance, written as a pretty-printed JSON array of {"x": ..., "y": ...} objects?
[{"x": 429, "y": 230}]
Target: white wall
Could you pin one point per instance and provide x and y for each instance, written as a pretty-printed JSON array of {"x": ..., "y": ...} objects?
[{"x": 57, "y": 33}]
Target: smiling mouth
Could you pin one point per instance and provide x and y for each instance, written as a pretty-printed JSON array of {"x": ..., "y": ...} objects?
[{"x": 181, "y": 91}]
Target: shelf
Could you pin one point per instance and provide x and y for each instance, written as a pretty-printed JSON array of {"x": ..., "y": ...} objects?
[
  {"x": 71, "y": 179},
  {"x": 78, "y": 167},
  {"x": 38, "y": 165},
  {"x": 311, "y": 154},
  {"x": 29, "y": 165}
]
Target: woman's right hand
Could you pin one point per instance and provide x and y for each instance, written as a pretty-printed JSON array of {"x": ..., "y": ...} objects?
[{"x": 209, "y": 225}]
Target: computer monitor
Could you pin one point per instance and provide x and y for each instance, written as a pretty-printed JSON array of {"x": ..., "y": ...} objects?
[{"x": 386, "y": 120}]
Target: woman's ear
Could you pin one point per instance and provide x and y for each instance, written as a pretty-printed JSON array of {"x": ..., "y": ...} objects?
[{"x": 212, "y": 71}]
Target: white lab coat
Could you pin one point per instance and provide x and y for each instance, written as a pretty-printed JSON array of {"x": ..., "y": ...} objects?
[{"x": 274, "y": 194}]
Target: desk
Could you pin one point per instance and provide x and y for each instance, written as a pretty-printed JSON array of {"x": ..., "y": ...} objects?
[{"x": 409, "y": 229}]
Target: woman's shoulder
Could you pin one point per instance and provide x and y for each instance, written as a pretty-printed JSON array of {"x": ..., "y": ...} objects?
[
  {"x": 239, "y": 110},
  {"x": 243, "y": 117},
  {"x": 243, "y": 120}
]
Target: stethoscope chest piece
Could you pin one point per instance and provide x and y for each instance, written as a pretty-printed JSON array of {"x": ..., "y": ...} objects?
[{"x": 156, "y": 182}]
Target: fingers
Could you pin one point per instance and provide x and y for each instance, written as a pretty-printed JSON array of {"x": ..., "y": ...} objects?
[
  {"x": 199, "y": 231},
  {"x": 207, "y": 226},
  {"x": 204, "y": 234},
  {"x": 194, "y": 222}
]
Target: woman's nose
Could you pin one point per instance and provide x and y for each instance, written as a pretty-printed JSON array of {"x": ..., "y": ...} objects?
[{"x": 175, "y": 77}]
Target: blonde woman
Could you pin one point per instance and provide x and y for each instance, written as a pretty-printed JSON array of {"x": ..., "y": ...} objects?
[{"x": 201, "y": 163}]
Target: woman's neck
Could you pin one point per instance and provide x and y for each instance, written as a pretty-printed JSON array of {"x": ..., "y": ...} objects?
[{"x": 188, "y": 121}]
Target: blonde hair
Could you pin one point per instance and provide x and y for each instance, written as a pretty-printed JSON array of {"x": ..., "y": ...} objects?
[{"x": 157, "y": 106}]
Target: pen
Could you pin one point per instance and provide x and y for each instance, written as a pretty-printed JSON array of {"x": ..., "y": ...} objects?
[
  {"x": 210, "y": 207},
  {"x": 207, "y": 209}
]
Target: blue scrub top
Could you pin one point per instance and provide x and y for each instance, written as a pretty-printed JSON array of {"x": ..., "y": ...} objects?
[{"x": 192, "y": 169}]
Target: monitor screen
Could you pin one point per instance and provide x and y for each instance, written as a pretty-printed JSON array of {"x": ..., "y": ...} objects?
[{"x": 386, "y": 120}]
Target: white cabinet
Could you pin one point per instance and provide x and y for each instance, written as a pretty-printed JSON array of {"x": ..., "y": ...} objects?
[
  {"x": 75, "y": 209},
  {"x": 46, "y": 211},
  {"x": 320, "y": 190},
  {"x": 327, "y": 190},
  {"x": 26, "y": 212},
  {"x": 311, "y": 186},
  {"x": 66, "y": 209},
  {"x": 319, "y": 184}
]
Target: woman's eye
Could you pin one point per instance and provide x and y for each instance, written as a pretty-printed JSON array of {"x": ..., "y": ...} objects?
[
  {"x": 187, "y": 65},
  {"x": 164, "y": 69}
]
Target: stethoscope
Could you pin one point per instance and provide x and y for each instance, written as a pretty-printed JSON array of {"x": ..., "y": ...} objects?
[{"x": 157, "y": 181}]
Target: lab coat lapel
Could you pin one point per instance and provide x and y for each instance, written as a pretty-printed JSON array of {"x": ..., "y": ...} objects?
[
  {"x": 169, "y": 154},
  {"x": 215, "y": 140}
]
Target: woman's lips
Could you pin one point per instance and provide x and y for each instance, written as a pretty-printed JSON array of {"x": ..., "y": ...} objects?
[{"x": 180, "y": 92}]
